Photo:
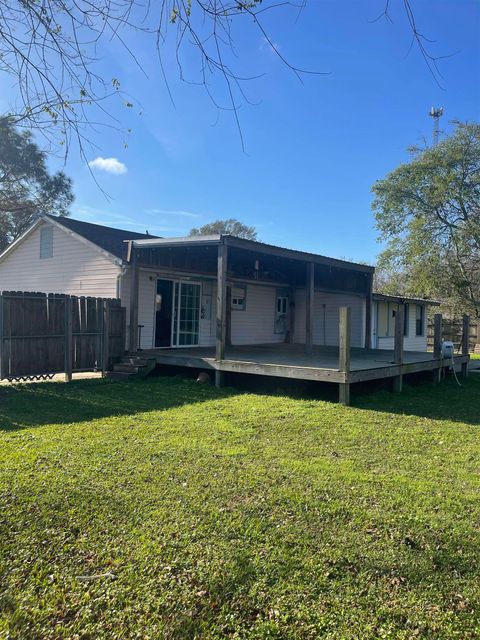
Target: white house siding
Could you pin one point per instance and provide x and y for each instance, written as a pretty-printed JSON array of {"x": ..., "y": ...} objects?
[
  {"x": 327, "y": 316},
  {"x": 411, "y": 342},
  {"x": 75, "y": 268},
  {"x": 256, "y": 324},
  {"x": 208, "y": 316}
]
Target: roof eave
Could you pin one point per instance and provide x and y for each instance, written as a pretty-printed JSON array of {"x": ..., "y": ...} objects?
[
  {"x": 177, "y": 242},
  {"x": 252, "y": 245},
  {"x": 405, "y": 299}
]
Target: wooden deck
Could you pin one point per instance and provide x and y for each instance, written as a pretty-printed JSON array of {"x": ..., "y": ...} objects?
[{"x": 291, "y": 361}]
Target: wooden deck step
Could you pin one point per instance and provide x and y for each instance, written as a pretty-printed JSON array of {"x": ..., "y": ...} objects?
[
  {"x": 132, "y": 367},
  {"x": 136, "y": 361},
  {"x": 120, "y": 375},
  {"x": 126, "y": 367}
]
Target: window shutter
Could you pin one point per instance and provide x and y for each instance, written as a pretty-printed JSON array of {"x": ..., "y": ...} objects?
[{"x": 46, "y": 242}]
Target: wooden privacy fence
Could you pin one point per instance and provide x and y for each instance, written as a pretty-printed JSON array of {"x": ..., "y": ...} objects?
[
  {"x": 452, "y": 329},
  {"x": 43, "y": 334}
]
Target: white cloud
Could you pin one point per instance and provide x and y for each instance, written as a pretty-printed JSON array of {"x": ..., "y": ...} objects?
[{"x": 110, "y": 165}]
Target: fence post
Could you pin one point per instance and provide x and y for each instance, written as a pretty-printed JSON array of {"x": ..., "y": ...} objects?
[
  {"x": 398, "y": 346},
  {"x": 465, "y": 343},
  {"x": 437, "y": 345},
  {"x": 68, "y": 338},
  {"x": 344, "y": 355},
  {"x": 106, "y": 337}
]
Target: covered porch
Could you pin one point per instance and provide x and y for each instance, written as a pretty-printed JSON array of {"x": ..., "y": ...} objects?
[{"x": 216, "y": 266}]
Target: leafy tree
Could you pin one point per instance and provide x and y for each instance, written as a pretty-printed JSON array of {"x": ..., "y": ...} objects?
[
  {"x": 26, "y": 187},
  {"x": 229, "y": 227},
  {"x": 428, "y": 212}
]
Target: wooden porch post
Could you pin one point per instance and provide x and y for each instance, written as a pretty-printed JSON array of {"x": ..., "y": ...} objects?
[
  {"x": 309, "y": 307},
  {"x": 465, "y": 343},
  {"x": 134, "y": 290},
  {"x": 344, "y": 355},
  {"x": 368, "y": 313},
  {"x": 398, "y": 346},
  {"x": 228, "y": 318},
  {"x": 221, "y": 333},
  {"x": 437, "y": 345}
]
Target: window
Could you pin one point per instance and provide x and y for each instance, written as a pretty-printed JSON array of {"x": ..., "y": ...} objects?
[
  {"x": 282, "y": 304},
  {"x": 239, "y": 296},
  {"x": 419, "y": 320},
  {"x": 46, "y": 242}
]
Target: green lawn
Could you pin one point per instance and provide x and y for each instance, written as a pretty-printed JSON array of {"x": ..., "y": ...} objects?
[{"x": 167, "y": 510}]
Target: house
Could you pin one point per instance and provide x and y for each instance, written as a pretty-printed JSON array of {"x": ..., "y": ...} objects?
[
  {"x": 177, "y": 289},
  {"x": 63, "y": 255},
  {"x": 231, "y": 305}
]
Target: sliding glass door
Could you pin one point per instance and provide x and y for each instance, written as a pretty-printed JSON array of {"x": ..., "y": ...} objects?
[{"x": 186, "y": 314}]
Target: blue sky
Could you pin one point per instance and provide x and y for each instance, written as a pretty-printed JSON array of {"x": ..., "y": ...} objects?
[{"x": 312, "y": 150}]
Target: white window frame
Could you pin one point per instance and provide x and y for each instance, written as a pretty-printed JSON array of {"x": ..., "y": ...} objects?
[{"x": 238, "y": 298}]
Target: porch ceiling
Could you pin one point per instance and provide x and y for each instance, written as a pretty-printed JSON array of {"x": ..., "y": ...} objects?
[{"x": 252, "y": 261}]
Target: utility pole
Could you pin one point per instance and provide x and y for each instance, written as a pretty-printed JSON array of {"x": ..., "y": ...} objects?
[{"x": 436, "y": 114}]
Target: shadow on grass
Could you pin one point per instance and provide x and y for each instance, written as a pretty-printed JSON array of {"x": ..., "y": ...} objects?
[
  {"x": 29, "y": 405},
  {"x": 421, "y": 397}
]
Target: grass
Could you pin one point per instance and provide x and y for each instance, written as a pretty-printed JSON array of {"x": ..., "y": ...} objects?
[{"x": 167, "y": 510}]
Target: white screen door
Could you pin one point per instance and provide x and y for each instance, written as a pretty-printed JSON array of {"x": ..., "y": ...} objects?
[{"x": 186, "y": 316}]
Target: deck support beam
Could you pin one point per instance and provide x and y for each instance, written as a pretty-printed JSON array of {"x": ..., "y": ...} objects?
[
  {"x": 309, "y": 307},
  {"x": 437, "y": 345},
  {"x": 465, "y": 343},
  {"x": 398, "y": 346},
  {"x": 134, "y": 291},
  {"x": 221, "y": 333},
  {"x": 344, "y": 355}
]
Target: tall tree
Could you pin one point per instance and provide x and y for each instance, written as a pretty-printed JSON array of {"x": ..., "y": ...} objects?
[
  {"x": 230, "y": 226},
  {"x": 428, "y": 212},
  {"x": 26, "y": 187}
]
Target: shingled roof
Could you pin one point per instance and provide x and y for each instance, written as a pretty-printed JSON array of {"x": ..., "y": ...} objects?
[{"x": 108, "y": 238}]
